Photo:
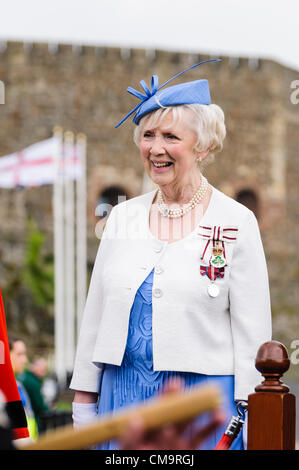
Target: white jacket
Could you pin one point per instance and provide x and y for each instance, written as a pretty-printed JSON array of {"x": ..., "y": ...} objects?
[{"x": 192, "y": 331}]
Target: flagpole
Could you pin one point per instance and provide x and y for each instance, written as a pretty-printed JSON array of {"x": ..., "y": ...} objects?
[
  {"x": 81, "y": 229},
  {"x": 59, "y": 327},
  {"x": 69, "y": 251}
]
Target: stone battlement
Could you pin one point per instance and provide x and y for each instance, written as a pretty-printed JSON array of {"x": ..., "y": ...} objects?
[{"x": 42, "y": 49}]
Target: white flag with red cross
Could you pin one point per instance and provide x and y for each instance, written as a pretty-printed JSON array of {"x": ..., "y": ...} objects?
[{"x": 37, "y": 165}]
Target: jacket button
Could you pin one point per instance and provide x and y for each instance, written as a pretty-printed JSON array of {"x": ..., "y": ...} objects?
[
  {"x": 158, "y": 270},
  {"x": 157, "y": 293},
  {"x": 157, "y": 249}
]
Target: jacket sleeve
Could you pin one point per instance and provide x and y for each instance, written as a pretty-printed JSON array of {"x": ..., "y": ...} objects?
[
  {"x": 250, "y": 306},
  {"x": 86, "y": 375}
]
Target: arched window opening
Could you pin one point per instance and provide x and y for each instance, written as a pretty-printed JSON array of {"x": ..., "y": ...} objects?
[
  {"x": 248, "y": 198},
  {"x": 109, "y": 198}
]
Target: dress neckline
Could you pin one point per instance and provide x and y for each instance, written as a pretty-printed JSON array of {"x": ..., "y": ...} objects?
[{"x": 191, "y": 234}]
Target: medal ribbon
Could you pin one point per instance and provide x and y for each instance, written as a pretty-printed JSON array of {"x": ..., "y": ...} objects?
[
  {"x": 211, "y": 272},
  {"x": 217, "y": 233}
]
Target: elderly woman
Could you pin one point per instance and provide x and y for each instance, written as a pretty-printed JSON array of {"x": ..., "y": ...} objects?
[{"x": 180, "y": 284}]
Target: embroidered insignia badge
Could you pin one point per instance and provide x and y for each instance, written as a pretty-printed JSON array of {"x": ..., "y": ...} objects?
[{"x": 218, "y": 259}]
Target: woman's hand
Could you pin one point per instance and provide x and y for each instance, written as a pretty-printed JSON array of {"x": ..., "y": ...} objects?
[
  {"x": 169, "y": 436},
  {"x": 84, "y": 408}
]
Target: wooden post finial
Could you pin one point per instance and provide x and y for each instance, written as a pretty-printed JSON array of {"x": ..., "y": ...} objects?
[
  {"x": 272, "y": 361},
  {"x": 271, "y": 409}
]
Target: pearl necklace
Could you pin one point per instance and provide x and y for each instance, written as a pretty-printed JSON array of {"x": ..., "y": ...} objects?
[{"x": 197, "y": 198}]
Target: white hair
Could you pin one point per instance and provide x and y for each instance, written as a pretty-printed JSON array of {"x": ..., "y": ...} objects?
[{"x": 208, "y": 124}]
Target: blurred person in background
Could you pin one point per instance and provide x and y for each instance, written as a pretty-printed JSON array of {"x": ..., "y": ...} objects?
[
  {"x": 18, "y": 354},
  {"x": 32, "y": 380},
  {"x": 50, "y": 389},
  {"x": 19, "y": 360}
]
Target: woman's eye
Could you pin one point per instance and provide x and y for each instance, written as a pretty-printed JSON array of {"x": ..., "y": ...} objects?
[
  {"x": 171, "y": 136},
  {"x": 147, "y": 134}
]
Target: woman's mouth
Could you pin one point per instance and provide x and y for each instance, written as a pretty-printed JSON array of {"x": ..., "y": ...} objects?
[{"x": 161, "y": 167}]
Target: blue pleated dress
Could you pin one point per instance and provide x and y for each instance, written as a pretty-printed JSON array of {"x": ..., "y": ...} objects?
[{"x": 134, "y": 381}]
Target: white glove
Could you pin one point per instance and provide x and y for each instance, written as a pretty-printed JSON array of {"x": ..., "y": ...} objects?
[
  {"x": 84, "y": 414},
  {"x": 245, "y": 431}
]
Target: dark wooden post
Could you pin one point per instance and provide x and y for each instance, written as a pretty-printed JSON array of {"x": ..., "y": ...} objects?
[{"x": 272, "y": 409}]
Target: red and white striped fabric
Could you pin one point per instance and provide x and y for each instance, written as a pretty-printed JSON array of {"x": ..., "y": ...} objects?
[
  {"x": 36, "y": 166},
  {"x": 213, "y": 233},
  {"x": 217, "y": 232}
]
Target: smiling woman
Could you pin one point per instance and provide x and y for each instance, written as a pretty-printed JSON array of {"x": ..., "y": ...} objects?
[
  {"x": 207, "y": 121},
  {"x": 179, "y": 137},
  {"x": 184, "y": 294},
  {"x": 173, "y": 142}
]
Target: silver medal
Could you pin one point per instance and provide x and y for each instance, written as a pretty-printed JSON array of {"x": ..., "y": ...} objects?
[{"x": 213, "y": 290}]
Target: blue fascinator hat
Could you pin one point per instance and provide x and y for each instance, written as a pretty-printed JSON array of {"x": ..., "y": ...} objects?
[{"x": 156, "y": 97}]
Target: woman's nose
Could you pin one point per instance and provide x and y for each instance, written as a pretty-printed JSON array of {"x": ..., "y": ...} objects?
[{"x": 157, "y": 147}]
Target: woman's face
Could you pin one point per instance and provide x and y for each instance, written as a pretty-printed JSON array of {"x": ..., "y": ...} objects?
[{"x": 167, "y": 151}]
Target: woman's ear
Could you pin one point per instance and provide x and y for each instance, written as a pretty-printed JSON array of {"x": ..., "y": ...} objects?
[{"x": 202, "y": 155}]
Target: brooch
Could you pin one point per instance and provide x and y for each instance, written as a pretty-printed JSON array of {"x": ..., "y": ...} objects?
[{"x": 217, "y": 236}]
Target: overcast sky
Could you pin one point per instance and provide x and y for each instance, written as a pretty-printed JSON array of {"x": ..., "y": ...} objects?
[{"x": 254, "y": 28}]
